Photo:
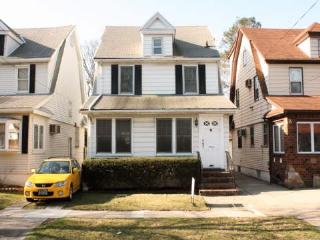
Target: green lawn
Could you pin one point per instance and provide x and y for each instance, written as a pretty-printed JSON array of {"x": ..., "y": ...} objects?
[
  {"x": 130, "y": 202},
  {"x": 177, "y": 229},
  {"x": 7, "y": 199}
]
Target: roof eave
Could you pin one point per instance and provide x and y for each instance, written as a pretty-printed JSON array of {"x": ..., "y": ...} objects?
[{"x": 23, "y": 60}]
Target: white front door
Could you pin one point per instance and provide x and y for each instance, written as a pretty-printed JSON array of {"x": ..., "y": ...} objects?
[{"x": 211, "y": 143}]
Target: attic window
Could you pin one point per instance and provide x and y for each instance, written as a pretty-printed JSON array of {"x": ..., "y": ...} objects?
[
  {"x": 157, "y": 46},
  {"x": 1, "y": 45}
]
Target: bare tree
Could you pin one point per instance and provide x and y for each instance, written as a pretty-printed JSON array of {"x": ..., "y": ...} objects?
[{"x": 88, "y": 51}]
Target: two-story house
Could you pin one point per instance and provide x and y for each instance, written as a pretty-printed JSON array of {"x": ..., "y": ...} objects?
[
  {"x": 40, "y": 97},
  {"x": 158, "y": 93},
  {"x": 275, "y": 83}
]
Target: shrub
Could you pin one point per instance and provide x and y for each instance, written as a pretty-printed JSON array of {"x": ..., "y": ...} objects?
[{"x": 141, "y": 173}]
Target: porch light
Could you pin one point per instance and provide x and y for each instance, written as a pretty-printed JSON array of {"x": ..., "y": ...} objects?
[{"x": 196, "y": 122}]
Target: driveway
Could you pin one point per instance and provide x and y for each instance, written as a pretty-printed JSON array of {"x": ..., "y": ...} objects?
[{"x": 272, "y": 200}]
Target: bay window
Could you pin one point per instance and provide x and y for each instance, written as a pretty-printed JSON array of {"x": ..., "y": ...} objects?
[
  {"x": 278, "y": 138},
  {"x": 9, "y": 135},
  {"x": 296, "y": 81},
  {"x": 308, "y": 134}
]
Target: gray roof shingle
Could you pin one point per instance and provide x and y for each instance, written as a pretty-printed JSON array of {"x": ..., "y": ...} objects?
[
  {"x": 27, "y": 102},
  {"x": 40, "y": 42},
  {"x": 126, "y": 42}
]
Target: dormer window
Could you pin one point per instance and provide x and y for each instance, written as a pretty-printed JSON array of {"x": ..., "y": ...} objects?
[
  {"x": 2, "y": 45},
  {"x": 157, "y": 46},
  {"x": 23, "y": 79}
]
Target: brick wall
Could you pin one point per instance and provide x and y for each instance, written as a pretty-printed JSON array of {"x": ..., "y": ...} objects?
[{"x": 292, "y": 169}]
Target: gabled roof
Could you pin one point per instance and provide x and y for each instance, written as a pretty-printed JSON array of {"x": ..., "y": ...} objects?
[
  {"x": 159, "y": 17},
  {"x": 120, "y": 42},
  {"x": 158, "y": 103},
  {"x": 311, "y": 30},
  {"x": 283, "y": 104},
  {"x": 40, "y": 42},
  {"x": 6, "y": 27}
]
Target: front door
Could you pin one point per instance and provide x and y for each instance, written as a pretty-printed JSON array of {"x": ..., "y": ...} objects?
[{"x": 211, "y": 141}]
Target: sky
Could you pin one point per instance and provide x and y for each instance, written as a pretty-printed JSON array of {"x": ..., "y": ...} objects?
[{"x": 91, "y": 16}]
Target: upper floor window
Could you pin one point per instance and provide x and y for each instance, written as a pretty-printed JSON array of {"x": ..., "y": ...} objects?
[
  {"x": 126, "y": 79},
  {"x": 157, "y": 46},
  {"x": 256, "y": 88},
  {"x": 244, "y": 58},
  {"x": 23, "y": 79},
  {"x": 190, "y": 79},
  {"x": 296, "y": 80},
  {"x": 2, "y": 37}
]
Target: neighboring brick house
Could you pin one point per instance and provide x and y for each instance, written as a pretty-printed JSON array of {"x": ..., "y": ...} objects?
[{"x": 275, "y": 82}]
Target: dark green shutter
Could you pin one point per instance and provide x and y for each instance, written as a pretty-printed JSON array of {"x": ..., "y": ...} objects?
[
  {"x": 114, "y": 79},
  {"x": 179, "y": 79},
  {"x": 25, "y": 134},
  {"x": 32, "y": 80},
  {"x": 202, "y": 78},
  {"x": 1, "y": 45},
  {"x": 138, "y": 80}
]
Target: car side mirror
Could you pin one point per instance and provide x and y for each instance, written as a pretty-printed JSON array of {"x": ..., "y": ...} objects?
[
  {"x": 33, "y": 170},
  {"x": 74, "y": 170}
]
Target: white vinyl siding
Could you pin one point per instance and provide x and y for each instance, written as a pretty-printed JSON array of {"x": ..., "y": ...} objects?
[{"x": 212, "y": 81}]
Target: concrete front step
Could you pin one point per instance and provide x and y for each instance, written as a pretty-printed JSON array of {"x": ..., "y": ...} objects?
[
  {"x": 219, "y": 192},
  {"x": 217, "y": 185},
  {"x": 217, "y": 179},
  {"x": 215, "y": 174}
]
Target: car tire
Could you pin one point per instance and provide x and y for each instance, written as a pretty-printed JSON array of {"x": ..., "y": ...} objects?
[
  {"x": 31, "y": 200},
  {"x": 70, "y": 193}
]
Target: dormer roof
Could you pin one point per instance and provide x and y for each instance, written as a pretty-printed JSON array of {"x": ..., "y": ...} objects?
[
  {"x": 157, "y": 24},
  {"x": 5, "y": 28}
]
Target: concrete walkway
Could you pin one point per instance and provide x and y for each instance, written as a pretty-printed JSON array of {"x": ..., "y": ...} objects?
[{"x": 272, "y": 200}]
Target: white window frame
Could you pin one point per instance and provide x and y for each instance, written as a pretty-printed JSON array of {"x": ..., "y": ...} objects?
[
  {"x": 133, "y": 79},
  {"x": 161, "y": 46},
  {"x": 174, "y": 137},
  {"x": 7, "y": 122},
  {"x": 311, "y": 135},
  {"x": 281, "y": 151},
  {"x": 291, "y": 81},
  {"x": 28, "y": 78},
  {"x": 38, "y": 137},
  {"x": 197, "y": 80},
  {"x": 114, "y": 138}
]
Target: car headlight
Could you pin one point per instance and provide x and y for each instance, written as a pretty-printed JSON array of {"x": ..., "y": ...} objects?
[
  {"x": 28, "y": 184},
  {"x": 60, "y": 184}
]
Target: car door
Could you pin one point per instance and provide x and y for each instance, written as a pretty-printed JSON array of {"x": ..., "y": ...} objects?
[{"x": 75, "y": 175}]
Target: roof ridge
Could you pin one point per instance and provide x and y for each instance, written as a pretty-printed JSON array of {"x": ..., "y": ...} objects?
[{"x": 38, "y": 28}]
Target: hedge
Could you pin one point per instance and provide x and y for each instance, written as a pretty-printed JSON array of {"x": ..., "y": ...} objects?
[{"x": 141, "y": 173}]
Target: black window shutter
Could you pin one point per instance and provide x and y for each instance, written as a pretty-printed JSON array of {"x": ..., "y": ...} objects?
[
  {"x": 32, "y": 80},
  {"x": 138, "y": 80},
  {"x": 114, "y": 79},
  {"x": 179, "y": 79},
  {"x": 25, "y": 134},
  {"x": 202, "y": 78},
  {"x": 1, "y": 45}
]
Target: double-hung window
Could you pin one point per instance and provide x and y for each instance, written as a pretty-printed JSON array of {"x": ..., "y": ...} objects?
[
  {"x": 123, "y": 135},
  {"x": 308, "y": 137},
  {"x": 182, "y": 135},
  {"x": 157, "y": 45},
  {"x": 104, "y": 135},
  {"x": 38, "y": 136},
  {"x": 265, "y": 134},
  {"x": 296, "y": 81},
  {"x": 256, "y": 88},
  {"x": 278, "y": 138},
  {"x": 126, "y": 79},
  {"x": 190, "y": 82},
  {"x": 23, "y": 79},
  {"x": 9, "y": 135}
]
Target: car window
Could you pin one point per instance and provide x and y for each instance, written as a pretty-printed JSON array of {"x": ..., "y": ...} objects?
[{"x": 54, "y": 167}]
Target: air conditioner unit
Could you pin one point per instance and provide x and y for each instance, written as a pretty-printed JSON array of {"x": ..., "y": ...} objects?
[
  {"x": 243, "y": 132},
  {"x": 248, "y": 83},
  {"x": 54, "y": 129}
]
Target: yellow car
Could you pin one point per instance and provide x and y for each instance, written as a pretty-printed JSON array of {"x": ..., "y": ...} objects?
[{"x": 55, "y": 178}]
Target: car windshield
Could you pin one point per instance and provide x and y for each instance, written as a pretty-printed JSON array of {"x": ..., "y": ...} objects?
[{"x": 54, "y": 167}]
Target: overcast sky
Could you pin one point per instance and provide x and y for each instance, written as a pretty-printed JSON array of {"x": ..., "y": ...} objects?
[{"x": 91, "y": 16}]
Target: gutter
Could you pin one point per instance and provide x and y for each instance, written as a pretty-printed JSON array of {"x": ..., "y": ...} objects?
[
  {"x": 221, "y": 110},
  {"x": 164, "y": 59},
  {"x": 9, "y": 60}
]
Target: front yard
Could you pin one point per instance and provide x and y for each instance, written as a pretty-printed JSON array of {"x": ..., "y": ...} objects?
[
  {"x": 130, "y": 202},
  {"x": 217, "y": 228},
  {"x": 7, "y": 199}
]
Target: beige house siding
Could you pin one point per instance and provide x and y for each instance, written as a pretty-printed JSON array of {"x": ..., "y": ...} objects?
[{"x": 279, "y": 78}]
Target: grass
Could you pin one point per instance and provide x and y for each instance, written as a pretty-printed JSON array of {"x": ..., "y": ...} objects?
[
  {"x": 130, "y": 202},
  {"x": 7, "y": 199},
  {"x": 216, "y": 228}
]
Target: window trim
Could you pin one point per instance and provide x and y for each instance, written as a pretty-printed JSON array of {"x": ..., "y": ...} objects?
[
  {"x": 6, "y": 123},
  {"x": 256, "y": 85},
  {"x": 281, "y": 151},
  {"x": 176, "y": 135},
  {"x": 302, "y": 81},
  {"x": 37, "y": 148},
  {"x": 311, "y": 135},
  {"x": 197, "y": 80},
  {"x": 161, "y": 46},
  {"x": 119, "y": 79},
  {"x": 28, "y": 78}
]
